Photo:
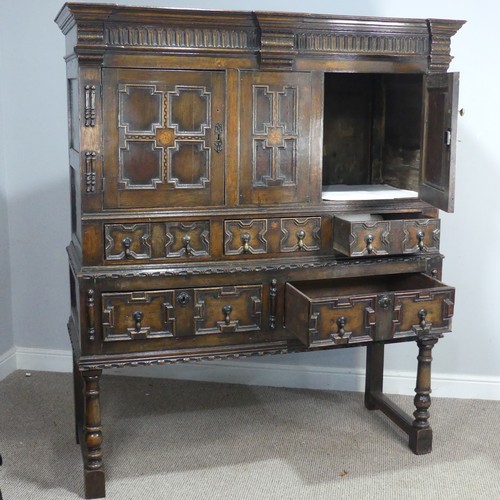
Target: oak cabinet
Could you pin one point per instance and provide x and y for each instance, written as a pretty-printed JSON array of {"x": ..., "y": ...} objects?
[{"x": 251, "y": 183}]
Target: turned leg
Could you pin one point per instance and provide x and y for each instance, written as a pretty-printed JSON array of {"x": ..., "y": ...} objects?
[
  {"x": 421, "y": 432},
  {"x": 79, "y": 400},
  {"x": 92, "y": 437},
  {"x": 374, "y": 374}
]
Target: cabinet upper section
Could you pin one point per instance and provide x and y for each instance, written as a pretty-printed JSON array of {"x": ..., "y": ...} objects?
[{"x": 264, "y": 40}]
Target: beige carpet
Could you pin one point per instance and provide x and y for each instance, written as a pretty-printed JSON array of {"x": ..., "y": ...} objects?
[{"x": 189, "y": 440}]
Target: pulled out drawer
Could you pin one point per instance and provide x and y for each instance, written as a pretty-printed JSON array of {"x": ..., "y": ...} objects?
[
  {"x": 358, "y": 235},
  {"x": 363, "y": 309}
]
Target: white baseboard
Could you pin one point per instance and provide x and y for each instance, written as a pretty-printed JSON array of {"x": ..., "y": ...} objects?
[
  {"x": 265, "y": 373},
  {"x": 8, "y": 363},
  {"x": 48, "y": 360}
]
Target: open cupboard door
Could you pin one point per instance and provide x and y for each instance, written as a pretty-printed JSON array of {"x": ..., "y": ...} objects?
[{"x": 437, "y": 173}]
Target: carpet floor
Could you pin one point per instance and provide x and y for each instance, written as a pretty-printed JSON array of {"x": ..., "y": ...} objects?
[{"x": 183, "y": 440}]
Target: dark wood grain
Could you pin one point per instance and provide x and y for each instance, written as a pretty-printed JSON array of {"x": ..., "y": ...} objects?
[{"x": 199, "y": 145}]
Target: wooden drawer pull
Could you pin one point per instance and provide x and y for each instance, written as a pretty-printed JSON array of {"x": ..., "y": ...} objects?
[
  {"x": 422, "y": 314},
  {"x": 341, "y": 324},
  {"x": 227, "y": 313},
  {"x": 300, "y": 237},
  {"x": 138, "y": 317},
  {"x": 186, "y": 241},
  {"x": 369, "y": 243},
  {"x": 127, "y": 243},
  {"x": 420, "y": 236},
  {"x": 245, "y": 238}
]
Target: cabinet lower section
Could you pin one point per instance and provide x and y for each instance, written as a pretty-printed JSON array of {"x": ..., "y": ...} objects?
[{"x": 146, "y": 316}]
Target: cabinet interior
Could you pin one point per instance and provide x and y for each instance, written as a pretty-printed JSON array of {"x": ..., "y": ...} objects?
[{"x": 371, "y": 135}]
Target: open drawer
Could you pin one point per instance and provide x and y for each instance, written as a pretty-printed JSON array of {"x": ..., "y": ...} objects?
[
  {"x": 363, "y": 309},
  {"x": 357, "y": 235}
]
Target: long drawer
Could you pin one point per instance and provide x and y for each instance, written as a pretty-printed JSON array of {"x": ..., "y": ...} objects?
[
  {"x": 343, "y": 311},
  {"x": 148, "y": 315}
]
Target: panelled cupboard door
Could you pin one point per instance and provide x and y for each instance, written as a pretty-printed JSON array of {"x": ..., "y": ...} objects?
[
  {"x": 437, "y": 173},
  {"x": 275, "y": 129},
  {"x": 163, "y": 138}
]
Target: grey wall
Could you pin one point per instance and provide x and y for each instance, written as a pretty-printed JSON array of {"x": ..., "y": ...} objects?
[
  {"x": 36, "y": 175},
  {"x": 6, "y": 332}
]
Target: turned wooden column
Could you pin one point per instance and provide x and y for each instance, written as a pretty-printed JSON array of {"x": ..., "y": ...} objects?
[
  {"x": 92, "y": 437},
  {"x": 79, "y": 400},
  {"x": 421, "y": 432}
]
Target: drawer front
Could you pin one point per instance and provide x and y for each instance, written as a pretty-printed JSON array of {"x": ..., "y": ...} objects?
[
  {"x": 187, "y": 239},
  {"x": 228, "y": 309},
  {"x": 138, "y": 315},
  {"x": 245, "y": 236},
  {"x": 370, "y": 238},
  {"x": 342, "y": 321},
  {"x": 180, "y": 240},
  {"x": 423, "y": 309},
  {"x": 149, "y": 315},
  {"x": 300, "y": 234},
  {"x": 362, "y": 309},
  {"x": 127, "y": 241},
  {"x": 421, "y": 235},
  {"x": 387, "y": 236}
]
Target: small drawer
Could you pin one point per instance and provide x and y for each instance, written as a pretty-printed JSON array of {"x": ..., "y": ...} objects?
[
  {"x": 360, "y": 235},
  {"x": 233, "y": 309},
  {"x": 127, "y": 241},
  {"x": 247, "y": 236},
  {"x": 179, "y": 240},
  {"x": 300, "y": 234},
  {"x": 185, "y": 240},
  {"x": 363, "y": 309},
  {"x": 138, "y": 315}
]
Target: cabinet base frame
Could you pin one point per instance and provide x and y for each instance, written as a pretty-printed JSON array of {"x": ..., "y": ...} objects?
[
  {"x": 418, "y": 429},
  {"x": 88, "y": 415}
]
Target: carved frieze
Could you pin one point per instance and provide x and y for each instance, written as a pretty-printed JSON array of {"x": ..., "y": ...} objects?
[
  {"x": 166, "y": 37},
  {"x": 342, "y": 42},
  {"x": 278, "y": 38}
]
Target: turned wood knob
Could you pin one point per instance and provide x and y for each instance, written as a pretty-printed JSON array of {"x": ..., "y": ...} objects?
[
  {"x": 341, "y": 324},
  {"x": 227, "y": 310},
  {"x": 422, "y": 314},
  {"x": 300, "y": 237},
  {"x": 245, "y": 238},
  {"x": 186, "y": 241},
  {"x": 138, "y": 317},
  {"x": 369, "y": 243},
  {"x": 127, "y": 243},
  {"x": 420, "y": 236}
]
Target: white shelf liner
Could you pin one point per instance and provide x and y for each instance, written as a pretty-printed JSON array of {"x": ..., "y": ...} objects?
[{"x": 344, "y": 192}]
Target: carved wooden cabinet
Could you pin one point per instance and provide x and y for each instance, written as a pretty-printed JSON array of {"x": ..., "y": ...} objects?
[{"x": 255, "y": 183}]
